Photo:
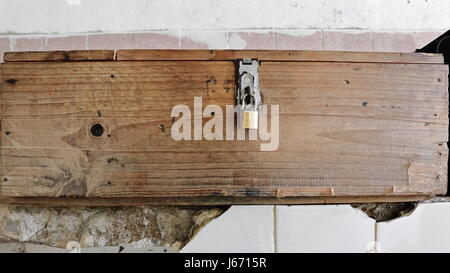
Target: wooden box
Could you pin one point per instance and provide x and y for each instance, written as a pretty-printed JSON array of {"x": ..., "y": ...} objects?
[{"x": 95, "y": 128}]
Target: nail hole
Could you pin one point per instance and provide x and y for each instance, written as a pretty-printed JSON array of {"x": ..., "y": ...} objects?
[
  {"x": 108, "y": 183},
  {"x": 97, "y": 130},
  {"x": 364, "y": 104},
  {"x": 11, "y": 81},
  {"x": 212, "y": 80},
  {"x": 112, "y": 159}
]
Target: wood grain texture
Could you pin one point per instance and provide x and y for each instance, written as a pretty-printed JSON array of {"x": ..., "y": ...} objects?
[
  {"x": 59, "y": 56},
  {"x": 346, "y": 129},
  {"x": 277, "y": 55},
  {"x": 207, "y": 200}
]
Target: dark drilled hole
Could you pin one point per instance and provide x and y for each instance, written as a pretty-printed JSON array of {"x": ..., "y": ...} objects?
[
  {"x": 248, "y": 98},
  {"x": 97, "y": 130}
]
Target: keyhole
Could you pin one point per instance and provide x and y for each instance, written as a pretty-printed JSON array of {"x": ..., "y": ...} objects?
[
  {"x": 248, "y": 99},
  {"x": 97, "y": 130}
]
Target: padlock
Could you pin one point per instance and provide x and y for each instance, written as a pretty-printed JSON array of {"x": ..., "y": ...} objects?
[
  {"x": 247, "y": 119},
  {"x": 250, "y": 120},
  {"x": 248, "y": 97}
]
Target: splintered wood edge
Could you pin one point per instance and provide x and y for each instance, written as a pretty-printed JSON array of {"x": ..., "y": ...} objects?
[
  {"x": 206, "y": 201},
  {"x": 60, "y": 56},
  {"x": 278, "y": 55},
  {"x": 222, "y": 55}
]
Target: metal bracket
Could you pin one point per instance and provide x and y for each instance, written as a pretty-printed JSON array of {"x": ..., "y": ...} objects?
[{"x": 248, "y": 96}]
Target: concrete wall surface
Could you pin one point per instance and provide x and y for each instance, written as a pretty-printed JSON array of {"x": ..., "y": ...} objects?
[{"x": 78, "y": 16}]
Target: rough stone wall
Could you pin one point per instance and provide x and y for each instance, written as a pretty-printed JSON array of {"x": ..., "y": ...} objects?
[
  {"x": 382, "y": 212},
  {"x": 151, "y": 226}
]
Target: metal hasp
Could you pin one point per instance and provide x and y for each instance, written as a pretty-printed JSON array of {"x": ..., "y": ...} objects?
[{"x": 248, "y": 97}]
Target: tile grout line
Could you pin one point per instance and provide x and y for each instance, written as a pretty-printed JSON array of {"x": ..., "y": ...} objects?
[
  {"x": 226, "y": 35},
  {"x": 276, "y": 39},
  {"x": 375, "y": 237},
  {"x": 42, "y": 38},
  {"x": 12, "y": 43},
  {"x": 250, "y": 30},
  {"x": 274, "y": 229},
  {"x": 373, "y": 49},
  {"x": 322, "y": 38},
  {"x": 414, "y": 38}
]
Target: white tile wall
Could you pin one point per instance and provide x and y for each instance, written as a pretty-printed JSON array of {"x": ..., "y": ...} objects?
[
  {"x": 240, "y": 229},
  {"x": 322, "y": 228},
  {"x": 427, "y": 229},
  {"x": 298, "y": 229}
]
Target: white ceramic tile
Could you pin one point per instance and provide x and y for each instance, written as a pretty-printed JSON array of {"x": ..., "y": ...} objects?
[
  {"x": 240, "y": 229},
  {"x": 427, "y": 229},
  {"x": 323, "y": 228}
]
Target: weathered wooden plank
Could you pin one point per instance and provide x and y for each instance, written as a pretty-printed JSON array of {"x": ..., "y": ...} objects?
[
  {"x": 346, "y": 129},
  {"x": 277, "y": 55},
  {"x": 59, "y": 56},
  {"x": 222, "y": 55},
  {"x": 206, "y": 201}
]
